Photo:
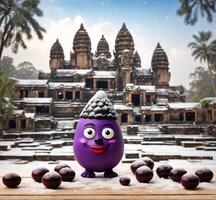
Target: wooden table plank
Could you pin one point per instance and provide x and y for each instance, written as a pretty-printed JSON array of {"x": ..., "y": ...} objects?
[
  {"x": 100, "y": 188},
  {"x": 109, "y": 197}
]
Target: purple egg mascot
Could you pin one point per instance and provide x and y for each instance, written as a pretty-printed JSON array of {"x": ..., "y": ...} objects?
[{"x": 98, "y": 142}]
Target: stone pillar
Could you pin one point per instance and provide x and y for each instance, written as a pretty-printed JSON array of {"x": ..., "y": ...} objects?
[
  {"x": 128, "y": 97},
  {"x": 143, "y": 98},
  {"x": 81, "y": 95},
  {"x": 130, "y": 118},
  {"x": 94, "y": 84},
  {"x": 74, "y": 93},
  {"x": 18, "y": 124},
  {"x": 184, "y": 116},
  {"x": 1, "y": 126},
  {"x": 153, "y": 117},
  {"x": 27, "y": 124},
  {"x": 166, "y": 117},
  {"x": 214, "y": 114},
  {"x": 196, "y": 116}
]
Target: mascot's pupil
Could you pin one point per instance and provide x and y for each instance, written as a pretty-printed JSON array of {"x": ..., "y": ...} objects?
[
  {"x": 90, "y": 132},
  {"x": 107, "y": 132}
]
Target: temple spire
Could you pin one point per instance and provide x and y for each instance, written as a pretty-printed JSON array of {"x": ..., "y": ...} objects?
[
  {"x": 82, "y": 27},
  {"x": 124, "y": 40},
  {"x": 123, "y": 26},
  {"x": 159, "y": 58},
  {"x": 158, "y": 46},
  {"x": 103, "y": 48}
]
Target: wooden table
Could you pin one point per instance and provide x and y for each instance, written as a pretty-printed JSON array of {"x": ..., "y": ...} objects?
[{"x": 101, "y": 188}]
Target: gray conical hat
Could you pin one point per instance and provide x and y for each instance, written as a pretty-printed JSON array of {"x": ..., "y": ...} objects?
[{"x": 99, "y": 107}]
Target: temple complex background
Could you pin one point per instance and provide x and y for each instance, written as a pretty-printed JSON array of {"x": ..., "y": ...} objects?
[{"x": 139, "y": 95}]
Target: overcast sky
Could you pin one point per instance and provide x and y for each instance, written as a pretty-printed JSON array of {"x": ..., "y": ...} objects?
[{"x": 149, "y": 21}]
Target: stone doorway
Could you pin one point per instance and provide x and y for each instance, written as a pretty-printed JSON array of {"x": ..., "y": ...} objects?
[
  {"x": 89, "y": 83},
  {"x": 135, "y": 98},
  {"x": 68, "y": 95},
  {"x": 190, "y": 116},
  {"x": 148, "y": 118},
  {"x": 42, "y": 109},
  {"x": 12, "y": 124},
  {"x": 24, "y": 93},
  {"x": 60, "y": 95},
  {"x": 138, "y": 119},
  {"x": 102, "y": 84},
  {"x": 23, "y": 123},
  {"x": 124, "y": 118},
  {"x": 41, "y": 94},
  {"x": 158, "y": 117}
]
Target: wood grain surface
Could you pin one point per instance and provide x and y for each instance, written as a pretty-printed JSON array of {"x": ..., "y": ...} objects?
[{"x": 85, "y": 189}]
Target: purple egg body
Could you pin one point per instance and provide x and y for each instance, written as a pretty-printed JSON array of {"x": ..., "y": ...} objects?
[{"x": 98, "y": 156}]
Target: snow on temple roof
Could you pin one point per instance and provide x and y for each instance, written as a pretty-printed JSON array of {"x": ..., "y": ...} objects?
[
  {"x": 121, "y": 107},
  {"x": 37, "y": 100},
  {"x": 95, "y": 62},
  {"x": 129, "y": 85},
  {"x": 210, "y": 100},
  {"x": 213, "y": 102},
  {"x": 147, "y": 88},
  {"x": 31, "y": 82},
  {"x": 163, "y": 91},
  {"x": 54, "y": 85},
  {"x": 158, "y": 108},
  {"x": 166, "y": 91},
  {"x": 43, "y": 118},
  {"x": 18, "y": 112},
  {"x": 162, "y": 101},
  {"x": 154, "y": 108},
  {"x": 22, "y": 112},
  {"x": 104, "y": 74},
  {"x": 126, "y": 50},
  {"x": 71, "y": 72},
  {"x": 142, "y": 71},
  {"x": 30, "y": 115},
  {"x": 186, "y": 106}
]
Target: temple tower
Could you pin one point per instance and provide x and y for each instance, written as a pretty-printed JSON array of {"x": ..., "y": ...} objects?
[
  {"x": 102, "y": 62},
  {"x": 136, "y": 60},
  {"x": 160, "y": 63},
  {"x": 124, "y": 40},
  {"x": 124, "y": 47},
  {"x": 56, "y": 56},
  {"x": 81, "y": 58},
  {"x": 136, "y": 64},
  {"x": 126, "y": 66},
  {"x": 103, "y": 48}
]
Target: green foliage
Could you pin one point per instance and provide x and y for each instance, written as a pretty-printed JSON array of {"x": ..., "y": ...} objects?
[
  {"x": 7, "y": 66},
  {"x": 192, "y": 9},
  {"x": 6, "y": 92},
  {"x": 24, "y": 70},
  {"x": 204, "y": 103},
  {"x": 200, "y": 86},
  {"x": 17, "y": 20},
  {"x": 204, "y": 49}
]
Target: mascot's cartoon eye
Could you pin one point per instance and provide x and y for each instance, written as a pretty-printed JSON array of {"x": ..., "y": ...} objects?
[
  {"x": 89, "y": 133},
  {"x": 108, "y": 133}
]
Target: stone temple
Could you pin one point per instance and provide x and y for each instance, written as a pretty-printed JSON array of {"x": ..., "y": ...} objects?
[{"x": 139, "y": 95}]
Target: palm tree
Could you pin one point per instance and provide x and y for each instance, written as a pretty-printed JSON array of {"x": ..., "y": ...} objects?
[
  {"x": 17, "y": 22},
  {"x": 191, "y": 9},
  {"x": 6, "y": 92},
  {"x": 205, "y": 50}
]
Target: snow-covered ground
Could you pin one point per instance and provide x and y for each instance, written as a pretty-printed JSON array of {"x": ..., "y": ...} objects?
[{"x": 24, "y": 170}]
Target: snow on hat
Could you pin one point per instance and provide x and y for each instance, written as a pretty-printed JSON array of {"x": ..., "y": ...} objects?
[{"x": 99, "y": 107}]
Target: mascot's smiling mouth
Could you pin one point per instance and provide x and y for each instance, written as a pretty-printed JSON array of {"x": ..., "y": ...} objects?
[{"x": 98, "y": 149}]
